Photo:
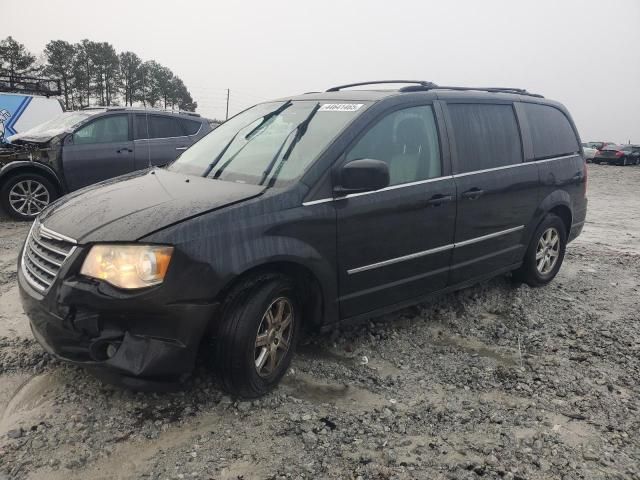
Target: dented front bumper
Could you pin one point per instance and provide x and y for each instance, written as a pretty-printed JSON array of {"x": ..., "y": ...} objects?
[{"x": 151, "y": 335}]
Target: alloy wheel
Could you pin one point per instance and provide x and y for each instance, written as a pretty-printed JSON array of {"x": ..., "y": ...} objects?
[
  {"x": 274, "y": 336},
  {"x": 548, "y": 251},
  {"x": 29, "y": 197}
]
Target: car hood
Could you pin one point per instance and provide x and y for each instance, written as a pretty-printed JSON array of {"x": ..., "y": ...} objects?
[
  {"x": 40, "y": 138},
  {"x": 131, "y": 207}
]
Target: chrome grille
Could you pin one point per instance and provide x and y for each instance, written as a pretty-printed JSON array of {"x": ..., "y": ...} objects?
[{"x": 45, "y": 251}]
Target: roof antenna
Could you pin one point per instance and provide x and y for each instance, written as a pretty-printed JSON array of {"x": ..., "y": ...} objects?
[{"x": 146, "y": 116}]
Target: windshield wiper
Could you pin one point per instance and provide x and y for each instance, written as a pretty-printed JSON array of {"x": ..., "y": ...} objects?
[
  {"x": 220, "y": 155},
  {"x": 226, "y": 147},
  {"x": 268, "y": 117},
  {"x": 300, "y": 131}
]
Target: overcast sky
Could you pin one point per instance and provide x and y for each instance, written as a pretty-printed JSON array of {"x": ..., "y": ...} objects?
[{"x": 584, "y": 53}]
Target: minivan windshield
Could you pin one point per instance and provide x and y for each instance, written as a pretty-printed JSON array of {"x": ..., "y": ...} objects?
[{"x": 270, "y": 144}]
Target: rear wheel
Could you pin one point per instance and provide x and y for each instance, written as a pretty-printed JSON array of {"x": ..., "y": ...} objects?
[
  {"x": 545, "y": 254},
  {"x": 257, "y": 337},
  {"x": 24, "y": 196}
]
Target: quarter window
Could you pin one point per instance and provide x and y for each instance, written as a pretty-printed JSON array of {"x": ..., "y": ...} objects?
[
  {"x": 111, "y": 129},
  {"x": 551, "y": 132},
  {"x": 407, "y": 140},
  {"x": 486, "y": 136},
  {"x": 190, "y": 127}
]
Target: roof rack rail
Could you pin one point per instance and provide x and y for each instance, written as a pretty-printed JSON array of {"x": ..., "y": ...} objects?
[
  {"x": 516, "y": 91},
  {"x": 421, "y": 83},
  {"x": 48, "y": 87}
]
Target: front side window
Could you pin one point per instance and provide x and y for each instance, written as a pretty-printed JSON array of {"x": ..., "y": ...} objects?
[
  {"x": 486, "y": 136},
  {"x": 407, "y": 140},
  {"x": 270, "y": 144},
  {"x": 551, "y": 132},
  {"x": 111, "y": 129}
]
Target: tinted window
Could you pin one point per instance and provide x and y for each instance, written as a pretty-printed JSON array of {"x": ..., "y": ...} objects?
[
  {"x": 486, "y": 136},
  {"x": 190, "y": 127},
  {"x": 114, "y": 128},
  {"x": 551, "y": 132},
  {"x": 407, "y": 140},
  {"x": 159, "y": 127}
]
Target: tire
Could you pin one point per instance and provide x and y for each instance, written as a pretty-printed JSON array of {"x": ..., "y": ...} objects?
[
  {"x": 531, "y": 272},
  {"x": 25, "y": 195},
  {"x": 244, "y": 319}
]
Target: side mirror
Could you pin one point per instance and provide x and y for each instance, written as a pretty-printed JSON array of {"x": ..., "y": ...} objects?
[{"x": 362, "y": 175}]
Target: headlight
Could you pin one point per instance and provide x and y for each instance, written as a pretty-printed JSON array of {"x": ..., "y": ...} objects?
[{"x": 128, "y": 266}]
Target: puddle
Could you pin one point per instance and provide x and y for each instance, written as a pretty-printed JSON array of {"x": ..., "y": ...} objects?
[
  {"x": 474, "y": 347},
  {"x": 315, "y": 351},
  {"x": 10, "y": 384},
  {"x": 13, "y": 321},
  {"x": 29, "y": 402},
  {"x": 313, "y": 390}
]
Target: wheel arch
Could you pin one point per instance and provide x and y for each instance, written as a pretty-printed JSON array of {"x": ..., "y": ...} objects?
[
  {"x": 306, "y": 282},
  {"x": 564, "y": 212},
  {"x": 18, "y": 168},
  {"x": 559, "y": 203}
]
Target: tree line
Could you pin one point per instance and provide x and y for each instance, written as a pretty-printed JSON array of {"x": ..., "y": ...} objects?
[{"x": 94, "y": 73}]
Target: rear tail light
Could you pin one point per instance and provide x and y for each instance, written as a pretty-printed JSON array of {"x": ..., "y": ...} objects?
[
  {"x": 619, "y": 153},
  {"x": 597, "y": 152}
]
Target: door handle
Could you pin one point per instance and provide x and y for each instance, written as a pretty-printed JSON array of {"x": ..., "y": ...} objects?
[
  {"x": 439, "y": 199},
  {"x": 124, "y": 150},
  {"x": 473, "y": 193}
]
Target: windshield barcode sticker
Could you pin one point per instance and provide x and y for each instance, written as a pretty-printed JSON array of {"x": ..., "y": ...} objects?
[{"x": 340, "y": 107}]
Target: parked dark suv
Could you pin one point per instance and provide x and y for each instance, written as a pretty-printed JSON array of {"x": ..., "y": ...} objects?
[
  {"x": 303, "y": 212},
  {"x": 80, "y": 148}
]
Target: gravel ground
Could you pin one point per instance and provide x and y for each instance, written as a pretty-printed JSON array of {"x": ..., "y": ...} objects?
[{"x": 493, "y": 381}]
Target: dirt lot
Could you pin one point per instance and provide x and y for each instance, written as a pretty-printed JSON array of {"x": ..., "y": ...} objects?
[{"x": 493, "y": 382}]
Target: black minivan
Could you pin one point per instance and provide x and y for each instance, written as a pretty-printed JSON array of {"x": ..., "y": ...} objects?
[{"x": 301, "y": 213}]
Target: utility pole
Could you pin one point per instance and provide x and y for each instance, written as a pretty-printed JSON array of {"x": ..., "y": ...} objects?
[{"x": 227, "y": 117}]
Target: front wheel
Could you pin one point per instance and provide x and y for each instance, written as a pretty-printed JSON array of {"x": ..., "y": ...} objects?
[
  {"x": 545, "y": 254},
  {"x": 24, "y": 196},
  {"x": 257, "y": 336}
]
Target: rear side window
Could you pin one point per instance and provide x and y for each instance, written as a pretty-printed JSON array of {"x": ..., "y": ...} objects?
[
  {"x": 486, "y": 136},
  {"x": 158, "y": 127},
  {"x": 191, "y": 127},
  {"x": 551, "y": 132}
]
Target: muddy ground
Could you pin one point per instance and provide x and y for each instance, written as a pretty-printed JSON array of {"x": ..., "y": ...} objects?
[{"x": 491, "y": 382}]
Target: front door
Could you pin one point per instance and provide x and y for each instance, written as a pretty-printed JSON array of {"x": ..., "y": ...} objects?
[
  {"x": 97, "y": 151},
  {"x": 497, "y": 192},
  {"x": 395, "y": 244}
]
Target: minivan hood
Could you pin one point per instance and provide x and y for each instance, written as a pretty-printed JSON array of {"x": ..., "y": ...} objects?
[{"x": 135, "y": 205}]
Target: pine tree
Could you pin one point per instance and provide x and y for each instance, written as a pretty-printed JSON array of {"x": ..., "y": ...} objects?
[{"x": 16, "y": 60}]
